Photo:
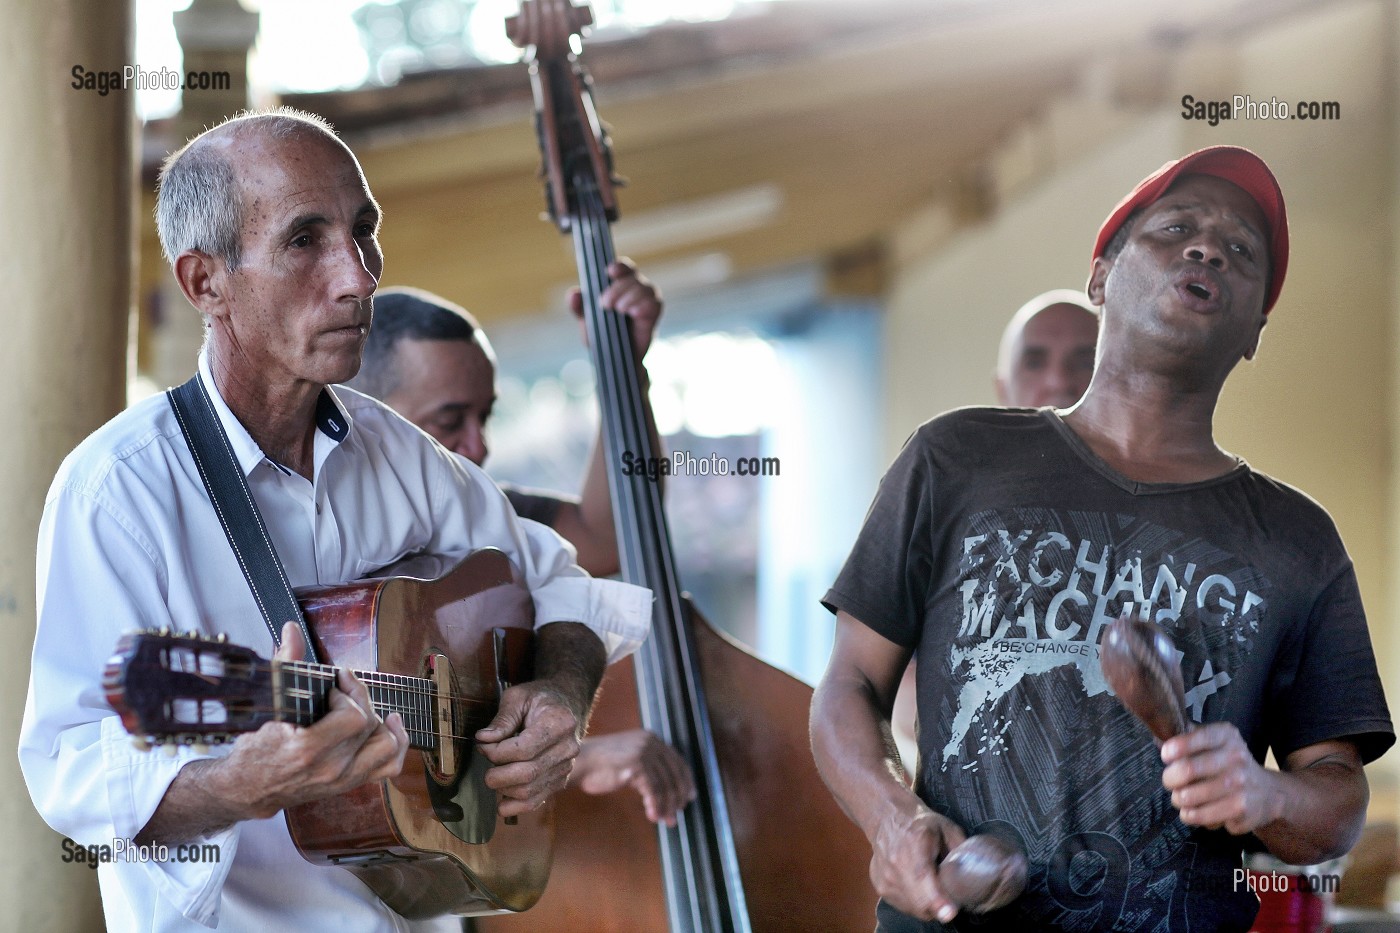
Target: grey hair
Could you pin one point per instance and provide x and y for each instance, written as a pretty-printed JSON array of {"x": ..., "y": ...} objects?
[{"x": 198, "y": 203}]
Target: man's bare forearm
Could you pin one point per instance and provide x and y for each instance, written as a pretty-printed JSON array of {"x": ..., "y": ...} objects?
[
  {"x": 856, "y": 754},
  {"x": 588, "y": 524},
  {"x": 570, "y": 657},
  {"x": 192, "y": 808},
  {"x": 1320, "y": 810}
]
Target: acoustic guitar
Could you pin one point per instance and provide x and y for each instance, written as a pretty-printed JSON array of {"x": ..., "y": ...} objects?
[{"x": 437, "y": 643}]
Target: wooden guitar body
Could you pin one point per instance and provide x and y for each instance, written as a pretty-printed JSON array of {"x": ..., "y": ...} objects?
[
  {"x": 804, "y": 863},
  {"x": 391, "y": 833},
  {"x": 437, "y": 646}
]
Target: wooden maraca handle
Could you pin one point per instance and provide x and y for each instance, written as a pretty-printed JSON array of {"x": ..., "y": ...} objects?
[
  {"x": 983, "y": 873},
  {"x": 1139, "y": 662}
]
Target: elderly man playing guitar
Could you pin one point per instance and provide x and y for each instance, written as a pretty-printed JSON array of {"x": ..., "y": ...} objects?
[{"x": 272, "y": 233}]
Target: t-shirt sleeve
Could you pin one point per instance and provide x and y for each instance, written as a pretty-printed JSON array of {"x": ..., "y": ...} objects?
[
  {"x": 884, "y": 582},
  {"x": 536, "y": 506},
  {"x": 1327, "y": 686}
]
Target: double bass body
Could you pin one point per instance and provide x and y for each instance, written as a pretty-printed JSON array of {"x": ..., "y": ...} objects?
[{"x": 805, "y": 867}]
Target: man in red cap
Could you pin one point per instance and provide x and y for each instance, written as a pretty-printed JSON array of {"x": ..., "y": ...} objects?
[{"x": 1000, "y": 545}]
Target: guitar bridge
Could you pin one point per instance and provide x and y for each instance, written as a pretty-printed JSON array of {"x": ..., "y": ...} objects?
[{"x": 444, "y": 758}]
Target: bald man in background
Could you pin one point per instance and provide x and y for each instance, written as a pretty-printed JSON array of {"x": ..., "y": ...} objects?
[{"x": 1047, "y": 351}]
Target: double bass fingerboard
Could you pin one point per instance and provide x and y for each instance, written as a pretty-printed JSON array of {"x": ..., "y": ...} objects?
[{"x": 700, "y": 864}]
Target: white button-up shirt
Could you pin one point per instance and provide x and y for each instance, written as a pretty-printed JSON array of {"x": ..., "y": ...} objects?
[{"x": 129, "y": 540}]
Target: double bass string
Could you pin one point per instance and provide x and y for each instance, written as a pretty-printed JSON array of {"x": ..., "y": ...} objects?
[
  {"x": 643, "y": 561},
  {"x": 640, "y": 498},
  {"x": 626, "y": 430},
  {"x": 671, "y": 648}
]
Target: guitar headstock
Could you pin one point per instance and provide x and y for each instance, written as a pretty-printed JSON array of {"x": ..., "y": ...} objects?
[{"x": 187, "y": 689}]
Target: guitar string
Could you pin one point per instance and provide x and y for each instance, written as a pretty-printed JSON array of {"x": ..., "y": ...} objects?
[
  {"x": 276, "y": 713},
  {"x": 379, "y": 707},
  {"x": 368, "y": 678},
  {"x": 372, "y": 680}
]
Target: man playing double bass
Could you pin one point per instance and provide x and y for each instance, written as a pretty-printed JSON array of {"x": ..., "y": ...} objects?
[
  {"x": 1002, "y": 542},
  {"x": 272, "y": 234}
]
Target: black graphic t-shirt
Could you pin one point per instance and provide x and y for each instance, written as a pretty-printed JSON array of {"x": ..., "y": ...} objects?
[{"x": 998, "y": 547}]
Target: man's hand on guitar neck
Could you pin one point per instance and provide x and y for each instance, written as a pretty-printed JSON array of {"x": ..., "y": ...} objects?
[
  {"x": 538, "y": 728},
  {"x": 282, "y": 765}
]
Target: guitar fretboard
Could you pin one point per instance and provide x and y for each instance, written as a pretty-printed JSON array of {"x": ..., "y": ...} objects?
[{"x": 305, "y": 698}]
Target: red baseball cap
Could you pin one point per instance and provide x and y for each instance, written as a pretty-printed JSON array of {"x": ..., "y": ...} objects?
[{"x": 1237, "y": 166}]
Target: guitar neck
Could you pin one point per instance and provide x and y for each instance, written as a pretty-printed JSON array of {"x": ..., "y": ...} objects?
[{"x": 301, "y": 694}]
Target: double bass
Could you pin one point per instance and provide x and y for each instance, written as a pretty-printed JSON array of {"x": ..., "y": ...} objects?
[{"x": 764, "y": 846}]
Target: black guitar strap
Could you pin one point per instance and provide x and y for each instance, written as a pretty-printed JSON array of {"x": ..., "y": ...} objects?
[{"x": 238, "y": 513}]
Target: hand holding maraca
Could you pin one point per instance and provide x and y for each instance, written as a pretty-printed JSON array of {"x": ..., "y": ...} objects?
[{"x": 1211, "y": 774}]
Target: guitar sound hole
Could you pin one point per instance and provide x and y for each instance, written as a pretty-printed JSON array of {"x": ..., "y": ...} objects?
[
  {"x": 465, "y": 805},
  {"x": 460, "y": 798}
]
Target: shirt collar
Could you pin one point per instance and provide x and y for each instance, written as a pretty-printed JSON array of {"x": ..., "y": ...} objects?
[{"x": 332, "y": 421}]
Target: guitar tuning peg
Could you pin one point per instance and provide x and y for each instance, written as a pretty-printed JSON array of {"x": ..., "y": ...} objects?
[
  {"x": 200, "y": 748},
  {"x": 164, "y": 632},
  {"x": 168, "y": 749},
  {"x": 221, "y": 638},
  {"x": 140, "y": 743}
]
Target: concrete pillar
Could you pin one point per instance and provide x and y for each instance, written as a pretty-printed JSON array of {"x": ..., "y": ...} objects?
[
  {"x": 67, "y": 173},
  {"x": 215, "y": 36}
]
